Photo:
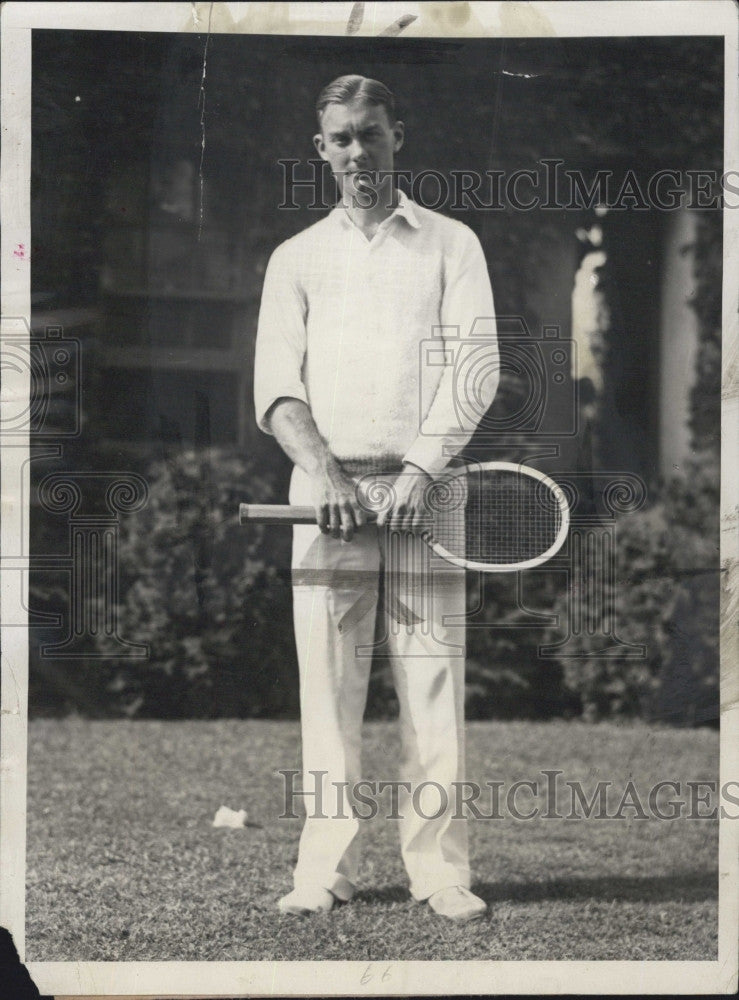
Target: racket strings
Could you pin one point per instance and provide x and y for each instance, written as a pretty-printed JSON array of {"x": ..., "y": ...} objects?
[{"x": 507, "y": 518}]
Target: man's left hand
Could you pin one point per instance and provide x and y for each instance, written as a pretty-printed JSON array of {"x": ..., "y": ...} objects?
[{"x": 409, "y": 511}]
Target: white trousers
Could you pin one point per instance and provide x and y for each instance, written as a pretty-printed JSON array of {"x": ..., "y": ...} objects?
[{"x": 335, "y": 591}]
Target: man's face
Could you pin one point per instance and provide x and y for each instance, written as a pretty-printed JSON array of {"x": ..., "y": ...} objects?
[{"x": 355, "y": 138}]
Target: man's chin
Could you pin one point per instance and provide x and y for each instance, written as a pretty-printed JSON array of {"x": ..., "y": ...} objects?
[{"x": 363, "y": 189}]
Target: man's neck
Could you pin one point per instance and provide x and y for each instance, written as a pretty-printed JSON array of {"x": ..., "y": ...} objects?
[{"x": 384, "y": 201}]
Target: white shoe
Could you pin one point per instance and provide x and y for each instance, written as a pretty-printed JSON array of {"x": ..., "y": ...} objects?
[
  {"x": 304, "y": 902},
  {"x": 457, "y": 903}
]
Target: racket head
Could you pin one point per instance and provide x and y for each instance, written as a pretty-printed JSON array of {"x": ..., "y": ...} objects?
[{"x": 497, "y": 517}]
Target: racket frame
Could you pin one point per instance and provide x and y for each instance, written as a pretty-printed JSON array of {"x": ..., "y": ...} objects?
[
  {"x": 295, "y": 514},
  {"x": 510, "y": 567}
]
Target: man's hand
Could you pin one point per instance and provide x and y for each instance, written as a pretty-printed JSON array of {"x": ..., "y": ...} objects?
[
  {"x": 338, "y": 511},
  {"x": 409, "y": 512}
]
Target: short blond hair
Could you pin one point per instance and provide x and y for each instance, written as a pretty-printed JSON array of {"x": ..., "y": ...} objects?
[{"x": 347, "y": 88}]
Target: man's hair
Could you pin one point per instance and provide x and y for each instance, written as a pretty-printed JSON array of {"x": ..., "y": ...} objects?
[{"x": 347, "y": 88}]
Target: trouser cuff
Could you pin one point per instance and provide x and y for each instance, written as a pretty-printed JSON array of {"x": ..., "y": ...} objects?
[
  {"x": 422, "y": 892},
  {"x": 338, "y": 885}
]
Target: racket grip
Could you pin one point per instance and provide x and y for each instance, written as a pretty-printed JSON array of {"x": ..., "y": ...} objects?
[
  {"x": 258, "y": 513},
  {"x": 287, "y": 513}
]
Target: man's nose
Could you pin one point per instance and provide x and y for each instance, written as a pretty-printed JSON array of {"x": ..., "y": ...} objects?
[{"x": 356, "y": 151}]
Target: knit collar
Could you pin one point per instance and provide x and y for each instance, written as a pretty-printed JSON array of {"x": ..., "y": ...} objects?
[{"x": 405, "y": 209}]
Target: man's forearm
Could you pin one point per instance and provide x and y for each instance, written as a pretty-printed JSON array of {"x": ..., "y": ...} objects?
[
  {"x": 338, "y": 510},
  {"x": 293, "y": 426}
]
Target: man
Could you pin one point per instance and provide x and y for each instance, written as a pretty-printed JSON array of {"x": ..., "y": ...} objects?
[{"x": 345, "y": 307}]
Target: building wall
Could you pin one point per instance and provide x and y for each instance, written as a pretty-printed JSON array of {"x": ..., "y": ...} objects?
[{"x": 678, "y": 342}]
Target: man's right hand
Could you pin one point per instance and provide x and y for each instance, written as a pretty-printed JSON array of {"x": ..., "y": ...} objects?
[{"x": 338, "y": 511}]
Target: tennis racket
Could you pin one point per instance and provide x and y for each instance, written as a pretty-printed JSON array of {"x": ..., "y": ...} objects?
[{"x": 498, "y": 517}]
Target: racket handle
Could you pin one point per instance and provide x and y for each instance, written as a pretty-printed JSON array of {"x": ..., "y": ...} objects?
[{"x": 274, "y": 513}]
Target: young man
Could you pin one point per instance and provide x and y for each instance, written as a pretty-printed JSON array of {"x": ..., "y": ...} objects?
[{"x": 345, "y": 307}]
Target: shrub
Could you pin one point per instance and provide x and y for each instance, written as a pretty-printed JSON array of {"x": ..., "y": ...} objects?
[
  {"x": 212, "y": 601},
  {"x": 205, "y": 595},
  {"x": 666, "y": 596}
]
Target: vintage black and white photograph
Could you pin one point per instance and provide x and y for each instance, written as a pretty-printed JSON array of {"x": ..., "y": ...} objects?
[{"x": 366, "y": 601}]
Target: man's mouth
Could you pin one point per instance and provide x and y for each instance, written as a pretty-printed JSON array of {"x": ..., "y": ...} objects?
[{"x": 363, "y": 176}]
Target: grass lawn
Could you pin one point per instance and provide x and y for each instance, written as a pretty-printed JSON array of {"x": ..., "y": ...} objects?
[{"x": 124, "y": 864}]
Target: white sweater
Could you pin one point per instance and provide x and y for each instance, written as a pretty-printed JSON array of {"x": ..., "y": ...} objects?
[{"x": 367, "y": 333}]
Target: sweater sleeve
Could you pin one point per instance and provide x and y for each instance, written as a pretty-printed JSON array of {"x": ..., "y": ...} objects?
[
  {"x": 469, "y": 348},
  {"x": 281, "y": 337}
]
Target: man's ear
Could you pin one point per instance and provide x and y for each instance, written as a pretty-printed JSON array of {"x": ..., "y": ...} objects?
[
  {"x": 320, "y": 145},
  {"x": 399, "y": 133}
]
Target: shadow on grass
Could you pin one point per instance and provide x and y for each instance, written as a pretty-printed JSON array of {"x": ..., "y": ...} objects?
[
  {"x": 686, "y": 887},
  {"x": 383, "y": 894}
]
